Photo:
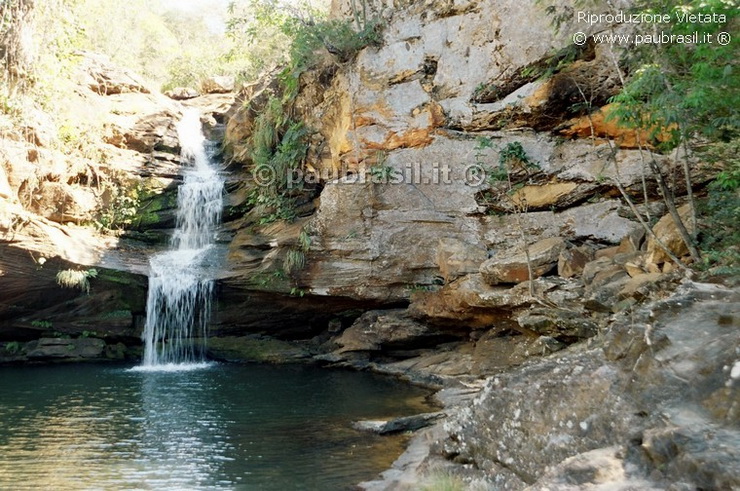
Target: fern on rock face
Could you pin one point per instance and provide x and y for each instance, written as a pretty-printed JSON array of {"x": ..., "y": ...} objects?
[{"x": 73, "y": 278}]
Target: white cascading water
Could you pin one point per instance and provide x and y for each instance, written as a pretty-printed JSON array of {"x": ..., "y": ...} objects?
[{"x": 179, "y": 300}]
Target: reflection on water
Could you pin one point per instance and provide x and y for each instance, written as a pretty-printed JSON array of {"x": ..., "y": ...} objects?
[{"x": 222, "y": 427}]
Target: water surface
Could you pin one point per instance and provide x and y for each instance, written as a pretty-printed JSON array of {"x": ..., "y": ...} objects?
[{"x": 222, "y": 427}]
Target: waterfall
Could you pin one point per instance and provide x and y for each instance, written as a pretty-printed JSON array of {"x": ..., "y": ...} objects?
[{"x": 179, "y": 301}]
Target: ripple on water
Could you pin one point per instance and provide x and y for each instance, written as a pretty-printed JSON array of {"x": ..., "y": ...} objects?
[{"x": 206, "y": 426}]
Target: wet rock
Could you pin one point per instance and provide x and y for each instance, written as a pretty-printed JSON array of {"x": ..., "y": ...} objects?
[
  {"x": 585, "y": 416},
  {"x": 82, "y": 348},
  {"x": 514, "y": 268},
  {"x": 398, "y": 425}
]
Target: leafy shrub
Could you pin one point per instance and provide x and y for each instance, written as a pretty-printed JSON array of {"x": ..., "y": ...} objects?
[
  {"x": 73, "y": 278},
  {"x": 13, "y": 347},
  {"x": 278, "y": 147},
  {"x": 513, "y": 152}
]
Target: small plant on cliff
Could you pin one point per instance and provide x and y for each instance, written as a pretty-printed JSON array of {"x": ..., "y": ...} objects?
[
  {"x": 278, "y": 147},
  {"x": 13, "y": 347},
  {"x": 513, "y": 152},
  {"x": 73, "y": 278},
  {"x": 504, "y": 186},
  {"x": 295, "y": 260},
  {"x": 304, "y": 240}
]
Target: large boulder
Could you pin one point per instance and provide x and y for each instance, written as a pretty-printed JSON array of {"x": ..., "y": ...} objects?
[
  {"x": 217, "y": 85},
  {"x": 105, "y": 78},
  {"x": 667, "y": 232}
]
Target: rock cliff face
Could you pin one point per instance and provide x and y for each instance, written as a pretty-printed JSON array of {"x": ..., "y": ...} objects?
[
  {"x": 465, "y": 189},
  {"x": 400, "y": 197}
]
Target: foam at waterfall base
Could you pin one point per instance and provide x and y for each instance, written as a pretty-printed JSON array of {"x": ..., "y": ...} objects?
[{"x": 173, "y": 367}]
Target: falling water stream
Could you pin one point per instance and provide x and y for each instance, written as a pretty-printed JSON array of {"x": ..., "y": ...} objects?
[{"x": 179, "y": 300}]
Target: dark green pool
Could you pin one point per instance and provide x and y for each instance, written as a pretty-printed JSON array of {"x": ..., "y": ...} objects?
[{"x": 222, "y": 427}]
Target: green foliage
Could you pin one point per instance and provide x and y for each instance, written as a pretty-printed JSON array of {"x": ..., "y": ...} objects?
[
  {"x": 297, "y": 292},
  {"x": 302, "y": 32},
  {"x": 42, "y": 324},
  {"x": 383, "y": 174},
  {"x": 510, "y": 155},
  {"x": 123, "y": 206},
  {"x": 278, "y": 147},
  {"x": 13, "y": 347},
  {"x": 338, "y": 37},
  {"x": 513, "y": 152},
  {"x": 295, "y": 260},
  {"x": 88, "y": 334},
  {"x": 271, "y": 208},
  {"x": 411, "y": 289},
  {"x": 116, "y": 314},
  {"x": 304, "y": 241},
  {"x": 683, "y": 89},
  {"x": 719, "y": 213},
  {"x": 265, "y": 279},
  {"x": 169, "y": 46},
  {"x": 73, "y": 278}
]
